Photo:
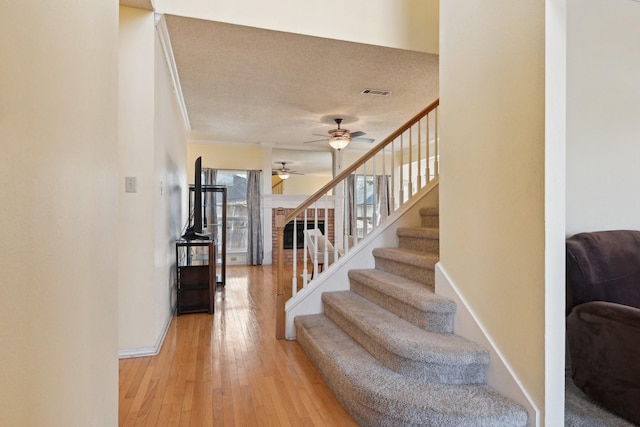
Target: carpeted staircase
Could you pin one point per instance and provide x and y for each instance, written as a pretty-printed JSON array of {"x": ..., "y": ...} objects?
[{"x": 387, "y": 348}]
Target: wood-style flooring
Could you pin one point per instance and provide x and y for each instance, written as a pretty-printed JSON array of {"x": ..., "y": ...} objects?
[{"x": 227, "y": 369}]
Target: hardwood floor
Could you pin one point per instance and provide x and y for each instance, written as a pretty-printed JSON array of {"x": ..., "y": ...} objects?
[{"x": 227, "y": 369}]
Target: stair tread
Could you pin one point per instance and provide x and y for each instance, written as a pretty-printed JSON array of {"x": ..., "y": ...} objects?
[
  {"x": 408, "y": 298},
  {"x": 420, "y": 232},
  {"x": 359, "y": 380},
  {"x": 401, "y": 337},
  {"x": 407, "y": 291},
  {"x": 408, "y": 256}
]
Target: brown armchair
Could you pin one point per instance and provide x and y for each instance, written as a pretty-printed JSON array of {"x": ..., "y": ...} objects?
[{"x": 603, "y": 322}]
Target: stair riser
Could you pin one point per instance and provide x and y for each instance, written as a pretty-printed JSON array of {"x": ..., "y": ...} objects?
[
  {"x": 372, "y": 418},
  {"x": 419, "y": 244},
  {"x": 420, "y": 371},
  {"x": 430, "y": 321},
  {"x": 422, "y": 275},
  {"x": 431, "y": 221}
]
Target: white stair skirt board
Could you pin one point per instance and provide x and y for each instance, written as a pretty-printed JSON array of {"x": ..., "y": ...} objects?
[{"x": 499, "y": 373}]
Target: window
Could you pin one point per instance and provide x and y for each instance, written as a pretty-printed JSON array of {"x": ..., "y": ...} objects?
[
  {"x": 237, "y": 213},
  {"x": 368, "y": 198},
  {"x": 364, "y": 205}
]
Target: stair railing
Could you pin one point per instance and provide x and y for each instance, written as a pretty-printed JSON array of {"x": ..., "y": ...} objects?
[{"x": 353, "y": 204}]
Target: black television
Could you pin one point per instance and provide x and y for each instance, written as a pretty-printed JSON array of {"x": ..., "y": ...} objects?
[
  {"x": 195, "y": 230},
  {"x": 197, "y": 198}
]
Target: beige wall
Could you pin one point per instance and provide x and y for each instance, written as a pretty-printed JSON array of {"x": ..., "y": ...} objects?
[
  {"x": 223, "y": 157},
  {"x": 304, "y": 184},
  {"x": 404, "y": 24},
  {"x": 58, "y": 205},
  {"x": 492, "y": 174},
  {"x": 351, "y": 157}
]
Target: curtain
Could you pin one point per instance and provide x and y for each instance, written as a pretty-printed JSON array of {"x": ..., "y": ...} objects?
[
  {"x": 209, "y": 199},
  {"x": 382, "y": 198},
  {"x": 210, "y": 176},
  {"x": 350, "y": 211},
  {"x": 255, "y": 249}
]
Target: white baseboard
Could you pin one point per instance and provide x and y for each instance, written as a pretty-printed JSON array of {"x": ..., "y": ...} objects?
[
  {"x": 147, "y": 351},
  {"x": 500, "y": 376}
]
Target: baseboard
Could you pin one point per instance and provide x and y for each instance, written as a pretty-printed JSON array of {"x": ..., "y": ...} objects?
[
  {"x": 147, "y": 351},
  {"x": 500, "y": 376}
]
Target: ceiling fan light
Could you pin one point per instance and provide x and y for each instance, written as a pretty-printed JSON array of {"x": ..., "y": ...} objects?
[
  {"x": 283, "y": 174},
  {"x": 339, "y": 142}
]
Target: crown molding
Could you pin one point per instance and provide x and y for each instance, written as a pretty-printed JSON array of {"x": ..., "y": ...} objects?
[{"x": 165, "y": 41}]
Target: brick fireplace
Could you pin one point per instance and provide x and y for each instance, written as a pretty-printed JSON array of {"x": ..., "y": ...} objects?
[
  {"x": 288, "y": 235},
  {"x": 288, "y": 253}
]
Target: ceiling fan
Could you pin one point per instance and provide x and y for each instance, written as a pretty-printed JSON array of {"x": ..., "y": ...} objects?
[
  {"x": 284, "y": 172},
  {"x": 339, "y": 138}
]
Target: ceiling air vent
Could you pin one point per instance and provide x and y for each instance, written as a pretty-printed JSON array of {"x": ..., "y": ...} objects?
[{"x": 377, "y": 92}]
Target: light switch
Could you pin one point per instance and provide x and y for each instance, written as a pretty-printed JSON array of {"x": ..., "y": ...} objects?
[{"x": 130, "y": 184}]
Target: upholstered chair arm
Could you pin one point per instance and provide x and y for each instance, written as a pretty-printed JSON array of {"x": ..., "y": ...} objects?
[{"x": 604, "y": 345}]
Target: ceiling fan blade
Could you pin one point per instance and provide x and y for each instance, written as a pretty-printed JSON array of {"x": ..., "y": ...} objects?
[
  {"x": 316, "y": 140},
  {"x": 280, "y": 171},
  {"x": 369, "y": 140},
  {"x": 357, "y": 134},
  {"x": 320, "y": 134}
]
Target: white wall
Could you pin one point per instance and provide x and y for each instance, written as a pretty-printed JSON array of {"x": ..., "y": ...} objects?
[
  {"x": 136, "y": 159},
  {"x": 603, "y": 111},
  {"x": 58, "y": 205},
  {"x": 152, "y": 148},
  {"x": 170, "y": 193},
  {"x": 404, "y": 24},
  {"x": 555, "y": 172},
  {"x": 492, "y": 181}
]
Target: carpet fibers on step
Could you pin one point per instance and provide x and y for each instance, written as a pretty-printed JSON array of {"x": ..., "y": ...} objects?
[{"x": 363, "y": 384}]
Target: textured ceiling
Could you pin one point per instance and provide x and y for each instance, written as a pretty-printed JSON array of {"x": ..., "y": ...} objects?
[{"x": 251, "y": 86}]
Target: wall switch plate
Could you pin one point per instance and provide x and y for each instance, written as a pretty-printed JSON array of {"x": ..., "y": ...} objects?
[{"x": 130, "y": 184}]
